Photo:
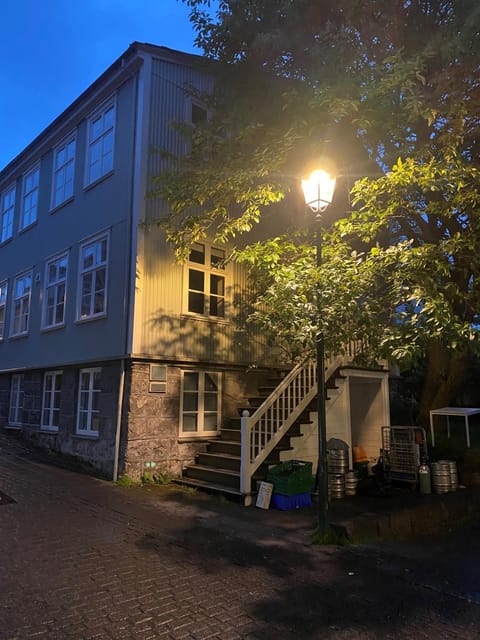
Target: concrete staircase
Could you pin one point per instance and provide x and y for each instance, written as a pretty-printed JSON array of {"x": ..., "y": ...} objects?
[{"x": 217, "y": 469}]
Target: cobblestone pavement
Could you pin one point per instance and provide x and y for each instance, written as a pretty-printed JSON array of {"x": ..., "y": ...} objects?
[{"x": 82, "y": 559}]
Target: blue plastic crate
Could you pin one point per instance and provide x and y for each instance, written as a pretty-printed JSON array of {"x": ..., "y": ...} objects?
[{"x": 286, "y": 503}]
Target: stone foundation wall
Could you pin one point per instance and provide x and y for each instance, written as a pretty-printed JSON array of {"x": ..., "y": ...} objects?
[
  {"x": 97, "y": 453},
  {"x": 151, "y": 442},
  {"x": 150, "y": 426}
]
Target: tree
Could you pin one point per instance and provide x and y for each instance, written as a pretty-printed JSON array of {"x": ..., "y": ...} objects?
[{"x": 380, "y": 87}]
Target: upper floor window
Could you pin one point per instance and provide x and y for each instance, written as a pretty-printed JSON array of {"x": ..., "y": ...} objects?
[
  {"x": 198, "y": 113},
  {"x": 8, "y": 209},
  {"x": 3, "y": 307},
  {"x": 55, "y": 288},
  {"x": 21, "y": 304},
  {"x": 93, "y": 274},
  {"x": 101, "y": 133},
  {"x": 15, "y": 409},
  {"x": 30, "y": 198},
  {"x": 206, "y": 281},
  {"x": 63, "y": 172}
]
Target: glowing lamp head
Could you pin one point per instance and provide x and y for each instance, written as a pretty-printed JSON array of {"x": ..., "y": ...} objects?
[{"x": 318, "y": 190}]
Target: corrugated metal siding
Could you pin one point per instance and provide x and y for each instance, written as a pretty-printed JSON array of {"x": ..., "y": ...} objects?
[
  {"x": 104, "y": 207},
  {"x": 161, "y": 329},
  {"x": 168, "y": 104}
]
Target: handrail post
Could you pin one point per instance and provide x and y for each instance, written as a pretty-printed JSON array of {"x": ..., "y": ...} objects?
[{"x": 244, "y": 453}]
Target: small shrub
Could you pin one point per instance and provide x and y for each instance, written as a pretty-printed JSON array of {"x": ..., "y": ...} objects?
[
  {"x": 149, "y": 477},
  {"x": 126, "y": 481}
]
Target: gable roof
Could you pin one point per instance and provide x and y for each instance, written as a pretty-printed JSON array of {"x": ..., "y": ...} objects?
[{"x": 123, "y": 67}]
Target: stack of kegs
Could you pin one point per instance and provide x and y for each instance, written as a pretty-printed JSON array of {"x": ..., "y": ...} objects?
[
  {"x": 337, "y": 461},
  {"x": 444, "y": 476},
  {"x": 351, "y": 481},
  {"x": 336, "y": 485}
]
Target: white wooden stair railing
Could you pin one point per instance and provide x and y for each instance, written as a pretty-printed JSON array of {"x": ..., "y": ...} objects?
[{"x": 263, "y": 430}]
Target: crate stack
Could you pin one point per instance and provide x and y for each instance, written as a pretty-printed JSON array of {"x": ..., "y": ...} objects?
[{"x": 292, "y": 484}]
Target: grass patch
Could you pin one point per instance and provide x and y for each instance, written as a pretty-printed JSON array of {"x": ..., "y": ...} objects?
[{"x": 127, "y": 481}]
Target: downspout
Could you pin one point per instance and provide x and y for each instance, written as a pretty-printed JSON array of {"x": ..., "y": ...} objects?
[
  {"x": 118, "y": 430},
  {"x": 128, "y": 306}
]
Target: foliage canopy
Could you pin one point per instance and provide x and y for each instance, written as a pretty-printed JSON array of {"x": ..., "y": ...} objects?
[{"x": 386, "y": 90}]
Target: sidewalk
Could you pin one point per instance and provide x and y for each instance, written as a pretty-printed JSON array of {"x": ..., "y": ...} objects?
[{"x": 402, "y": 515}]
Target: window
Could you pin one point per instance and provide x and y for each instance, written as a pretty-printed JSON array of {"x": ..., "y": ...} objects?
[
  {"x": 63, "y": 172},
  {"x": 206, "y": 281},
  {"x": 21, "y": 304},
  {"x": 16, "y": 401},
  {"x": 52, "y": 388},
  {"x": 30, "y": 198},
  {"x": 201, "y": 395},
  {"x": 8, "y": 209},
  {"x": 101, "y": 133},
  {"x": 198, "y": 114},
  {"x": 88, "y": 417},
  {"x": 55, "y": 287},
  {"x": 93, "y": 278},
  {"x": 158, "y": 378},
  {"x": 3, "y": 307}
]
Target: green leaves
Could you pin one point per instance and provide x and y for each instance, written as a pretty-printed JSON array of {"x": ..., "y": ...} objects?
[{"x": 371, "y": 85}]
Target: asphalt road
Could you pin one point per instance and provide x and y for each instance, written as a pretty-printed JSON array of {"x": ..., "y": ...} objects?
[{"x": 82, "y": 559}]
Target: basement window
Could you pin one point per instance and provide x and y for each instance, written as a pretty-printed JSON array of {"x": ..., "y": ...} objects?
[{"x": 158, "y": 378}]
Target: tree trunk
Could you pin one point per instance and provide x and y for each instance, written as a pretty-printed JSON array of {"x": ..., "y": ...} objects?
[{"x": 445, "y": 372}]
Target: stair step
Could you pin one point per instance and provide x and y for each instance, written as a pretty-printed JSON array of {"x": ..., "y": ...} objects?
[
  {"x": 266, "y": 390},
  {"x": 230, "y": 435},
  {"x": 304, "y": 417},
  {"x": 218, "y": 476},
  {"x": 233, "y": 423},
  {"x": 231, "y": 447},
  {"x": 208, "y": 486},
  {"x": 219, "y": 460}
]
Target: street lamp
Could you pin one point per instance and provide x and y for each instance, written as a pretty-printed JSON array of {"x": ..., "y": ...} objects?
[{"x": 318, "y": 190}]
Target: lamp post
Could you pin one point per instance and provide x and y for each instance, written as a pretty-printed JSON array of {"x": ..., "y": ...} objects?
[{"x": 318, "y": 190}]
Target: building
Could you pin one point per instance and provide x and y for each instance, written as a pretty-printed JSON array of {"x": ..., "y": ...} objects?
[{"x": 110, "y": 351}]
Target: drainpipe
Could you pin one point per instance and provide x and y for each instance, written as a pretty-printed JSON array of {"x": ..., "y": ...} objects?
[
  {"x": 118, "y": 429},
  {"x": 128, "y": 306}
]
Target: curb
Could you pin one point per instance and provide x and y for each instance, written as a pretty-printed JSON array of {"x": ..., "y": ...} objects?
[{"x": 438, "y": 512}]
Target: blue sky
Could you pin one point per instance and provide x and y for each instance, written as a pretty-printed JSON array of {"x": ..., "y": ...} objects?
[{"x": 51, "y": 50}]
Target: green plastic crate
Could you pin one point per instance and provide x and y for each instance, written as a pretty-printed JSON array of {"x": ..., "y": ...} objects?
[{"x": 291, "y": 477}]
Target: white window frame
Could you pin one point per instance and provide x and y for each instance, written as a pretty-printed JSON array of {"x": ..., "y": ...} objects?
[
  {"x": 51, "y": 398},
  {"x": 3, "y": 307},
  {"x": 53, "y": 287},
  {"x": 21, "y": 304},
  {"x": 100, "y": 143},
  {"x": 7, "y": 213},
  {"x": 205, "y": 297},
  {"x": 90, "y": 409},
  {"x": 201, "y": 411},
  {"x": 31, "y": 186},
  {"x": 15, "y": 408},
  {"x": 63, "y": 180},
  {"x": 85, "y": 272}
]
